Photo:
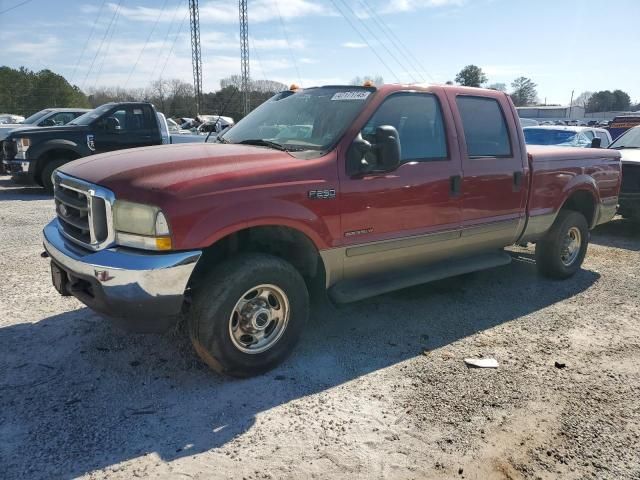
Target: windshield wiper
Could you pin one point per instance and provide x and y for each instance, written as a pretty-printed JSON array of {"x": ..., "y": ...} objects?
[
  {"x": 264, "y": 143},
  {"x": 623, "y": 146}
]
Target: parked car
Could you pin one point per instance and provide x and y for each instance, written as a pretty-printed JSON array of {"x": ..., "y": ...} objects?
[
  {"x": 622, "y": 123},
  {"x": 35, "y": 154},
  {"x": 628, "y": 144},
  {"x": 10, "y": 118},
  {"x": 567, "y": 136},
  {"x": 392, "y": 187},
  {"x": 529, "y": 122}
]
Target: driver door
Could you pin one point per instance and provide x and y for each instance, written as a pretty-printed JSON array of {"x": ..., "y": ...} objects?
[
  {"x": 411, "y": 215},
  {"x": 129, "y": 126}
]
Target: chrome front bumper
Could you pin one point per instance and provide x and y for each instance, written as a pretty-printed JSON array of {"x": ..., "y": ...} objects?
[{"x": 144, "y": 288}]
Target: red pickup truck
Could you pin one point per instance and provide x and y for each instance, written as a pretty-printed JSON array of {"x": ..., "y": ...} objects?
[{"x": 358, "y": 190}]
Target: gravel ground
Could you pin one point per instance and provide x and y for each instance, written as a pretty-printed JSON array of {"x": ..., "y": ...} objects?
[{"x": 377, "y": 389}]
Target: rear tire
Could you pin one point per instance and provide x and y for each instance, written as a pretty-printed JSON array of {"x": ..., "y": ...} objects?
[
  {"x": 248, "y": 314},
  {"x": 47, "y": 171},
  {"x": 560, "y": 253}
]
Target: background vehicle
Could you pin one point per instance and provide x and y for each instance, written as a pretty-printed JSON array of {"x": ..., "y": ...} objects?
[
  {"x": 566, "y": 136},
  {"x": 385, "y": 188},
  {"x": 528, "y": 122},
  {"x": 622, "y": 123},
  {"x": 628, "y": 144},
  {"x": 34, "y": 154},
  {"x": 10, "y": 118}
]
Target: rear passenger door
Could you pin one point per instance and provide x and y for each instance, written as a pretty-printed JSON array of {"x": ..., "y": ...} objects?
[{"x": 494, "y": 186}]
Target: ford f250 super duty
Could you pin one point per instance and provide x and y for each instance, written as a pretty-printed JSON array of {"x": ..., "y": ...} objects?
[
  {"x": 34, "y": 154},
  {"x": 358, "y": 190}
]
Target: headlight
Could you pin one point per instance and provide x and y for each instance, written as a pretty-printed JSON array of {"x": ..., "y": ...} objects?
[
  {"x": 141, "y": 226},
  {"x": 22, "y": 145}
]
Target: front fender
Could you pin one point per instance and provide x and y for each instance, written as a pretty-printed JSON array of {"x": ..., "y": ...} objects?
[
  {"x": 220, "y": 222},
  {"x": 36, "y": 151}
]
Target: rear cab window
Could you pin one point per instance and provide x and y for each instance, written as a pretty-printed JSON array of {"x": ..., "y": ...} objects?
[{"x": 485, "y": 127}]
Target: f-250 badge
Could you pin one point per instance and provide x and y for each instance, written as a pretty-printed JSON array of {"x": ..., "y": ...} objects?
[
  {"x": 322, "y": 194},
  {"x": 91, "y": 143}
]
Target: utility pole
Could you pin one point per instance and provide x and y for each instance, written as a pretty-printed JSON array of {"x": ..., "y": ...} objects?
[
  {"x": 244, "y": 55},
  {"x": 571, "y": 104},
  {"x": 196, "y": 57}
]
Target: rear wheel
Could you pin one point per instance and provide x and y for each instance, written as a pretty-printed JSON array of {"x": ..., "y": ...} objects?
[
  {"x": 45, "y": 176},
  {"x": 248, "y": 314},
  {"x": 560, "y": 253}
]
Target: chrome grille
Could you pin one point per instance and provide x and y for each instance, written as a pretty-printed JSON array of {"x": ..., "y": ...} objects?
[{"x": 84, "y": 212}]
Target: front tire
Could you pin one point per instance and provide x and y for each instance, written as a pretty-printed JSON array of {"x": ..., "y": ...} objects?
[
  {"x": 47, "y": 171},
  {"x": 248, "y": 314},
  {"x": 560, "y": 253}
]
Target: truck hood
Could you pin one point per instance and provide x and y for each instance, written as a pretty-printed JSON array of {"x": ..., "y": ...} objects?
[
  {"x": 183, "y": 170},
  {"x": 49, "y": 130},
  {"x": 7, "y": 128},
  {"x": 630, "y": 155}
]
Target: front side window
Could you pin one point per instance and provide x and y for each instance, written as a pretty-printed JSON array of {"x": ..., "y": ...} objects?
[
  {"x": 418, "y": 119},
  {"x": 485, "y": 127},
  {"x": 60, "y": 118}
]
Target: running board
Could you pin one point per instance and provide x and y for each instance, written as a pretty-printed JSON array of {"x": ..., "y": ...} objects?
[{"x": 352, "y": 290}]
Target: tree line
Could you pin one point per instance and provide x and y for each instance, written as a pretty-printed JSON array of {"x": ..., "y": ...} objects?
[
  {"x": 524, "y": 92},
  {"x": 24, "y": 92}
]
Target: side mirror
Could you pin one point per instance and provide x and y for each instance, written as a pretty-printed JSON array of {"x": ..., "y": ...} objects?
[
  {"x": 596, "y": 142},
  {"x": 111, "y": 124},
  {"x": 382, "y": 156},
  {"x": 388, "y": 146}
]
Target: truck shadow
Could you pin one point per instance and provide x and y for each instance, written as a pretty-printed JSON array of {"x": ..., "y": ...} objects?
[
  {"x": 10, "y": 190},
  {"x": 86, "y": 396},
  {"x": 618, "y": 233}
]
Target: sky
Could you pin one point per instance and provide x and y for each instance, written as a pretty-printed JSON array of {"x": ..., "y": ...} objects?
[{"x": 562, "y": 45}]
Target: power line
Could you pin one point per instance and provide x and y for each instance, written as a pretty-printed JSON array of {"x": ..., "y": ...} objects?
[
  {"x": 257, "y": 58},
  {"x": 84, "y": 48},
  {"x": 406, "y": 53},
  {"x": 106, "y": 52},
  {"x": 364, "y": 39},
  {"x": 153, "y": 29},
  {"x": 93, "y": 61},
  {"x": 166, "y": 37},
  {"x": 14, "y": 7},
  {"x": 184, "y": 18},
  {"x": 286, "y": 38},
  {"x": 376, "y": 38}
]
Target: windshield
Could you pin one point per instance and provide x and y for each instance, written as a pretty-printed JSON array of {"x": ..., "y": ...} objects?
[
  {"x": 629, "y": 139},
  {"x": 35, "y": 117},
  {"x": 89, "y": 117},
  {"x": 544, "y": 136},
  {"x": 313, "y": 119}
]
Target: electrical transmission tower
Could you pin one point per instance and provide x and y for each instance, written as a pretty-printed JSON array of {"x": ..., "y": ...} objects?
[
  {"x": 196, "y": 57},
  {"x": 244, "y": 55}
]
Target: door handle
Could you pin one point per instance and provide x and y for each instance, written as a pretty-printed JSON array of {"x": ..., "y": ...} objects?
[
  {"x": 455, "y": 181},
  {"x": 517, "y": 181}
]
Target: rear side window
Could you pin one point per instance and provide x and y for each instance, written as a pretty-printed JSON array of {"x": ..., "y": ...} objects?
[
  {"x": 485, "y": 128},
  {"x": 418, "y": 119}
]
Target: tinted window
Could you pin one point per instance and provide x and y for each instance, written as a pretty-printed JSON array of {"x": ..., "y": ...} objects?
[
  {"x": 128, "y": 119},
  {"x": 418, "y": 120},
  {"x": 485, "y": 129},
  {"x": 60, "y": 118}
]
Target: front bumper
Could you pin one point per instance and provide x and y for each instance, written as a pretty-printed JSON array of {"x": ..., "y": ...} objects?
[
  {"x": 15, "y": 167},
  {"x": 144, "y": 289}
]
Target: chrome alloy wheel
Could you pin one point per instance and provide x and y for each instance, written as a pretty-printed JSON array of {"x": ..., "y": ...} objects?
[
  {"x": 259, "y": 319},
  {"x": 571, "y": 246}
]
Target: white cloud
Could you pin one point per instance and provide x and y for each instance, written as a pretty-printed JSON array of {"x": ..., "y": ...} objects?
[
  {"x": 395, "y": 6},
  {"x": 218, "y": 12},
  {"x": 354, "y": 45},
  {"x": 37, "y": 48}
]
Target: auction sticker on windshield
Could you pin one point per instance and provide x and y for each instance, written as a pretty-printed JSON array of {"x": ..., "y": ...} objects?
[{"x": 350, "y": 95}]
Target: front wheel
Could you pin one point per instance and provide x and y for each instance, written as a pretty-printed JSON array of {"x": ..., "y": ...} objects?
[
  {"x": 560, "y": 253},
  {"x": 45, "y": 176},
  {"x": 248, "y": 314}
]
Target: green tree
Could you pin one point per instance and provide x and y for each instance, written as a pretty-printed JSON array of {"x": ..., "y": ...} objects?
[
  {"x": 24, "y": 92},
  {"x": 524, "y": 92},
  {"x": 471, "y": 76}
]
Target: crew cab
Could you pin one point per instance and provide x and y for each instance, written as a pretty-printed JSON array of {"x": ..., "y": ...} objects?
[
  {"x": 385, "y": 188},
  {"x": 33, "y": 155},
  {"x": 628, "y": 144}
]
